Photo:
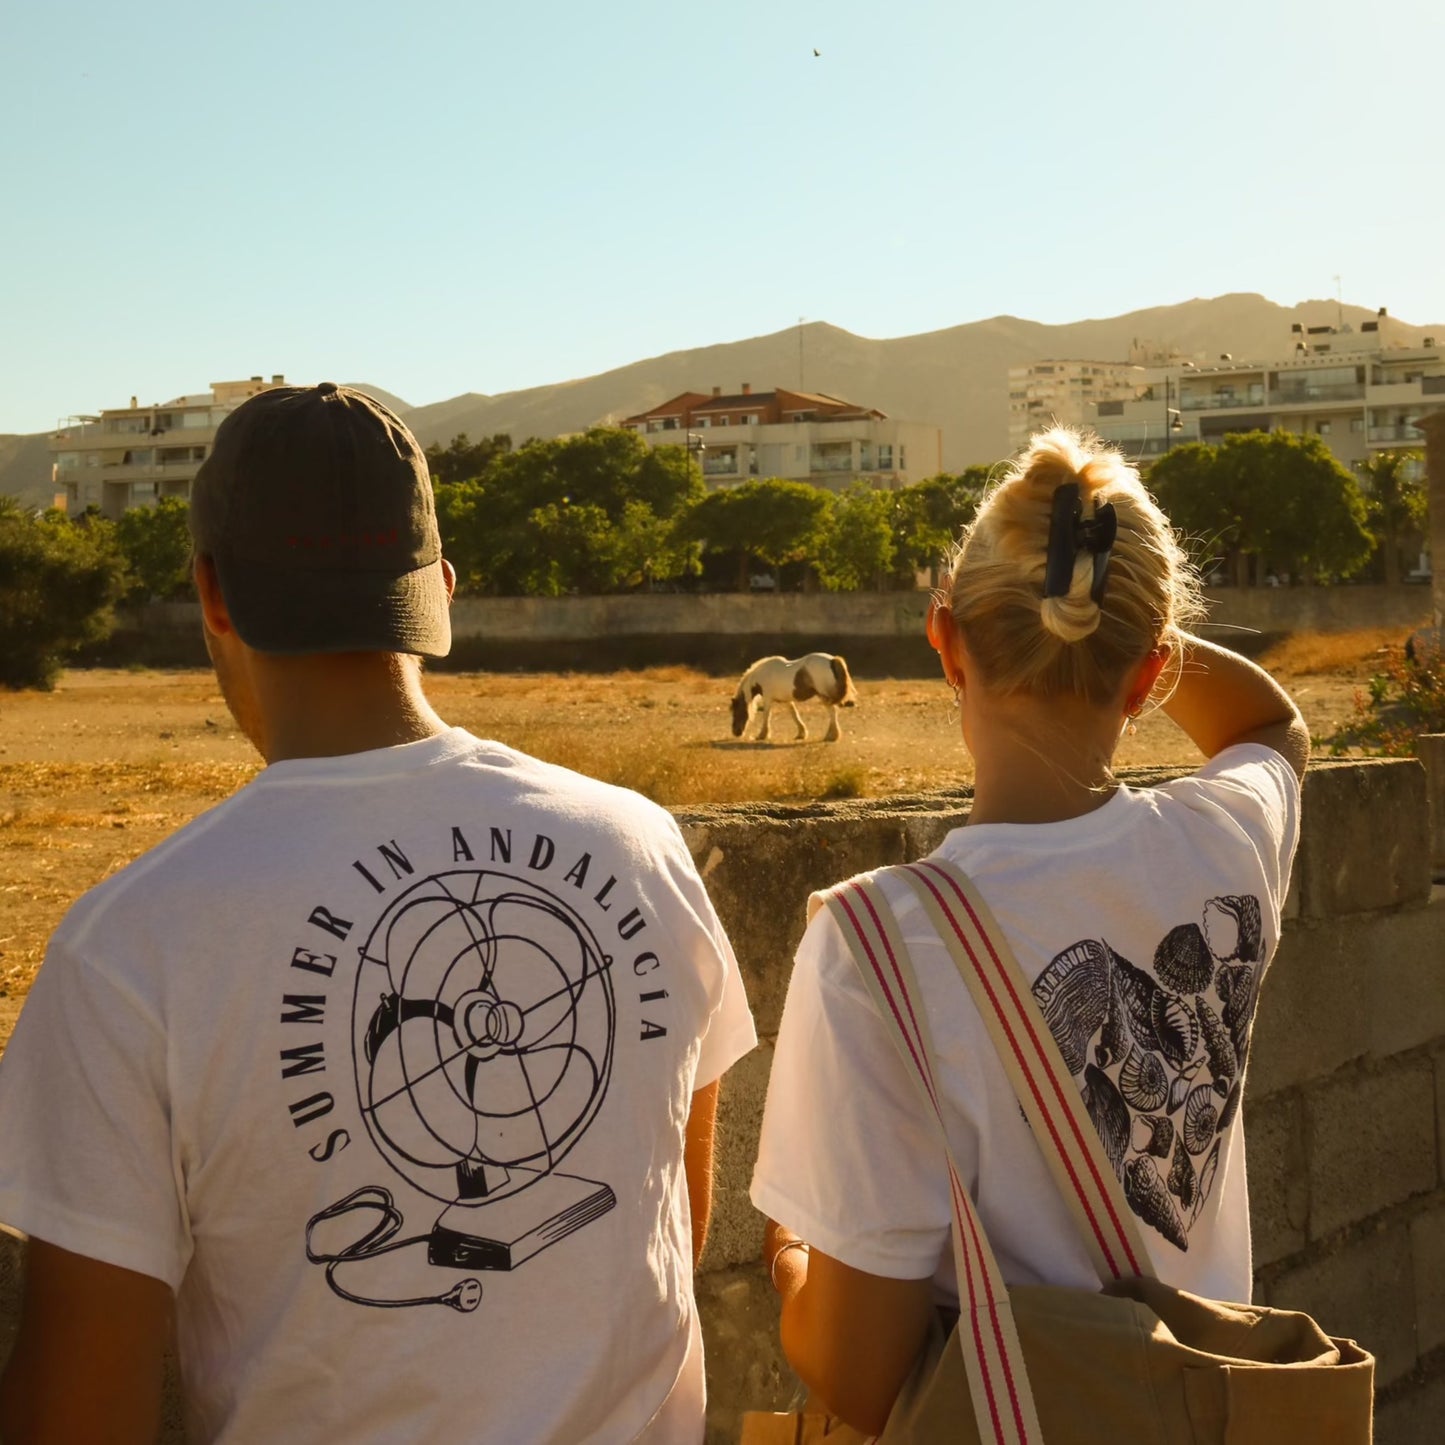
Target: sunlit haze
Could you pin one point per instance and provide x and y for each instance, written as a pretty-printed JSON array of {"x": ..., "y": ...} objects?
[{"x": 446, "y": 197}]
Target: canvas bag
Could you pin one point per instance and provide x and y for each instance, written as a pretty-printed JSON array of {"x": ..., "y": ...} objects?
[{"x": 1139, "y": 1361}]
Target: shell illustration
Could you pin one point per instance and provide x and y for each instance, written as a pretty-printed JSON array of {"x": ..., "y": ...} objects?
[
  {"x": 1236, "y": 987},
  {"x": 1223, "y": 1062},
  {"x": 1201, "y": 1118},
  {"x": 1138, "y": 992},
  {"x": 1182, "y": 1182},
  {"x": 1117, "y": 1040},
  {"x": 1073, "y": 995},
  {"x": 1233, "y": 928},
  {"x": 1152, "y": 1134},
  {"x": 1142, "y": 1080},
  {"x": 1150, "y": 1200},
  {"x": 1206, "y": 1178},
  {"x": 1110, "y": 1114},
  {"x": 1231, "y": 1106},
  {"x": 1174, "y": 1026},
  {"x": 1183, "y": 961}
]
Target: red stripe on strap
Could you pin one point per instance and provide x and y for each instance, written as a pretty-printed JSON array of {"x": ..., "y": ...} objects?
[
  {"x": 962, "y": 1216},
  {"x": 1099, "y": 1233},
  {"x": 968, "y": 1224}
]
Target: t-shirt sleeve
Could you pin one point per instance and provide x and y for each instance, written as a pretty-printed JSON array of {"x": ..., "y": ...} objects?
[
  {"x": 848, "y": 1158},
  {"x": 1260, "y": 792},
  {"x": 85, "y": 1142},
  {"x": 729, "y": 1032}
]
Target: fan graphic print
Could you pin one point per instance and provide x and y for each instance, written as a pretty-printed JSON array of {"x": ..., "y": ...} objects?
[
  {"x": 1161, "y": 1063},
  {"x": 482, "y": 1031}
]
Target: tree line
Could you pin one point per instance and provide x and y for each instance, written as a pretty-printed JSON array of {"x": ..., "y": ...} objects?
[{"x": 602, "y": 512}]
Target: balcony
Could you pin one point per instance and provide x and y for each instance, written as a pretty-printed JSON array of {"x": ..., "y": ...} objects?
[
  {"x": 1190, "y": 402},
  {"x": 1308, "y": 393},
  {"x": 1395, "y": 435}
]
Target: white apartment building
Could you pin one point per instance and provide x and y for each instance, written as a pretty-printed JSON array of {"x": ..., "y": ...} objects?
[
  {"x": 131, "y": 456},
  {"x": 1043, "y": 392},
  {"x": 796, "y": 435},
  {"x": 1349, "y": 387}
]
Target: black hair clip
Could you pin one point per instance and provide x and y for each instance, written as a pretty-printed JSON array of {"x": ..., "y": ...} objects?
[{"x": 1070, "y": 534}]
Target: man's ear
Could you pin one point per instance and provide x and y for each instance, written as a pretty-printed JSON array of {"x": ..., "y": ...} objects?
[{"x": 213, "y": 604}]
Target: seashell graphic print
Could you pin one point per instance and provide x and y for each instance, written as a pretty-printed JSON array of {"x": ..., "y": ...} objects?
[
  {"x": 1160, "y": 1052},
  {"x": 1183, "y": 960},
  {"x": 1183, "y": 1184},
  {"x": 1142, "y": 1080},
  {"x": 1236, "y": 987},
  {"x": 1174, "y": 1026},
  {"x": 1233, "y": 928},
  {"x": 1109, "y": 1113},
  {"x": 1073, "y": 996},
  {"x": 1138, "y": 992},
  {"x": 1201, "y": 1118},
  {"x": 1218, "y": 1046},
  {"x": 1150, "y": 1200},
  {"x": 1152, "y": 1134}
]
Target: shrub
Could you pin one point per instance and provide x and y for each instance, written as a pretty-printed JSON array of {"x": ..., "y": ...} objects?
[{"x": 1400, "y": 703}]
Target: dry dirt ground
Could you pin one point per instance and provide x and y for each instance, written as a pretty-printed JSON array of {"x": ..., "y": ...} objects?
[{"x": 110, "y": 762}]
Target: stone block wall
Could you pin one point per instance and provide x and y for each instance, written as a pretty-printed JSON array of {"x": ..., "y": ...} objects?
[{"x": 1345, "y": 1103}]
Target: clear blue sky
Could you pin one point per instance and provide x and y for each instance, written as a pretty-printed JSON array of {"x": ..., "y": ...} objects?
[{"x": 445, "y": 197}]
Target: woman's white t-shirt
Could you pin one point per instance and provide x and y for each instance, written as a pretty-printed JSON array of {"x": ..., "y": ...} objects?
[{"x": 1144, "y": 928}]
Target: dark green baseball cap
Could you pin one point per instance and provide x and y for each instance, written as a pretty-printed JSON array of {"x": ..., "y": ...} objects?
[{"x": 315, "y": 504}]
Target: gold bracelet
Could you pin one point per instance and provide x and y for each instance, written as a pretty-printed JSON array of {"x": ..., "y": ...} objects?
[{"x": 779, "y": 1253}]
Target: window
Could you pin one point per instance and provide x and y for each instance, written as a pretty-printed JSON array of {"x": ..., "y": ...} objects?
[
  {"x": 1357, "y": 423},
  {"x": 885, "y": 456},
  {"x": 1325, "y": 428},
  {"x": 902, "y": 457},
  {"x": 722, "y": 421},
  {"x": 750, "y": 419},
  {"x": 67, "y": 461}
]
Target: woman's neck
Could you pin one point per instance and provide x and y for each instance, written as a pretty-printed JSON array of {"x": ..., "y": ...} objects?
[{"x": 1038, "y": 761}]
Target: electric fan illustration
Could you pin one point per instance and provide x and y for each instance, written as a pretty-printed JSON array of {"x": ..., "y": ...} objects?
[{"x": 482, "y": 1040}]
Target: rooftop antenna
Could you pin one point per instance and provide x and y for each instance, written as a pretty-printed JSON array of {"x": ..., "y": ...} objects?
[
  {"x": 1339, "y": 305},
  {"x": 801, "y": 319}
]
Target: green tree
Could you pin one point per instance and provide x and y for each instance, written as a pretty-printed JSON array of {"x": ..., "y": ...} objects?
[
  {"x": 58, "y": 583},
  {"x": 930, "y": 515},
  {"x": 772, "y": 521},
  {"x": 156, "y": 545},
  {"x": 1397, "y": 503},
  {"x": 857, "y": 548},
  {"x": 1283, "y": 499},
  {"x": 462, "y": 459}
]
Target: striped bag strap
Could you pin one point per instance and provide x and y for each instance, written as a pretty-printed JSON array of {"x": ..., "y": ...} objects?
[
  {"x": 998, "y": 1382},
  {"x": 1046, "y": 1090}
]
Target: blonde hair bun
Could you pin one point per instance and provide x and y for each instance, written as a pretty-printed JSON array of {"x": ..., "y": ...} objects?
[{"x": 1023, "y": 641}]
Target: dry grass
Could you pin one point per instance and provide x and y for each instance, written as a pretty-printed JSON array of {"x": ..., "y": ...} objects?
[
  {"x": 1317, "y": 654},
  {"x": 97, "y": 772}
]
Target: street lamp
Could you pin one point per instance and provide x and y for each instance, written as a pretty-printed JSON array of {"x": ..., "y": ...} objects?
[
  {"x": 1173, "y": 419},
  {"x": 695, "y": 445}
]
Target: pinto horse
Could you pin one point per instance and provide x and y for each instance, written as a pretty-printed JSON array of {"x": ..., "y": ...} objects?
[{"x": 776, "y": 680}]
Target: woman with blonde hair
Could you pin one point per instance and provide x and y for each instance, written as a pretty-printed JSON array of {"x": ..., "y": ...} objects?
[{"x": 1142, "y": 919}]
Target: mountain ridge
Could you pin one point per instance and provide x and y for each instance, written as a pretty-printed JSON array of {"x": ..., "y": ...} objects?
[{"x": 954, "y": 376}]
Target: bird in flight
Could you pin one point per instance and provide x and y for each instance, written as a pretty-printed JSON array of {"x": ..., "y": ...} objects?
[{"x": 816, "y": 54}]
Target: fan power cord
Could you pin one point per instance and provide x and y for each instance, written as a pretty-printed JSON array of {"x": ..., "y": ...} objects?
[{"x": 464, "y": 1296}]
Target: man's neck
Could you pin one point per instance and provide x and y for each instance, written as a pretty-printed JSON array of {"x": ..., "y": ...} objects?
[{"x": 328, "y": 706}]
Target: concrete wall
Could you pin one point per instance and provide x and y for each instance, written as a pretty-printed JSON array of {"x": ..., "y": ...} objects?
[
  {"x": 1345, "y": 1105},
  {"x": 880, "y": 632}
]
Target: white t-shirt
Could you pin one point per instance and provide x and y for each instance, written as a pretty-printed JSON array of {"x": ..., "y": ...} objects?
[
  {"x": 384, "y": 1066},
  {"x": 1144, "y": 927}
]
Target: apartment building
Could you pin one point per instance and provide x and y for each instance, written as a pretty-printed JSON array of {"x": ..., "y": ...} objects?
[
  {"x": 1352, "y": 388},
  {"x": 799, "y": 435},
  {"x": 131, "y": 456},
  {"x": 1043, "y": 392}
]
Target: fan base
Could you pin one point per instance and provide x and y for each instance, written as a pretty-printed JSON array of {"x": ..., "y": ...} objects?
[{"x": 503, "y": 1233}]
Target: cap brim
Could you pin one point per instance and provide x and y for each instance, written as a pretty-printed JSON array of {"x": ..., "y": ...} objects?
[{"x": 296, "y": 613}]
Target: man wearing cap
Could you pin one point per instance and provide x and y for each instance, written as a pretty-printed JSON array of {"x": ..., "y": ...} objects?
[{"x": 391, "y": 1078}]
